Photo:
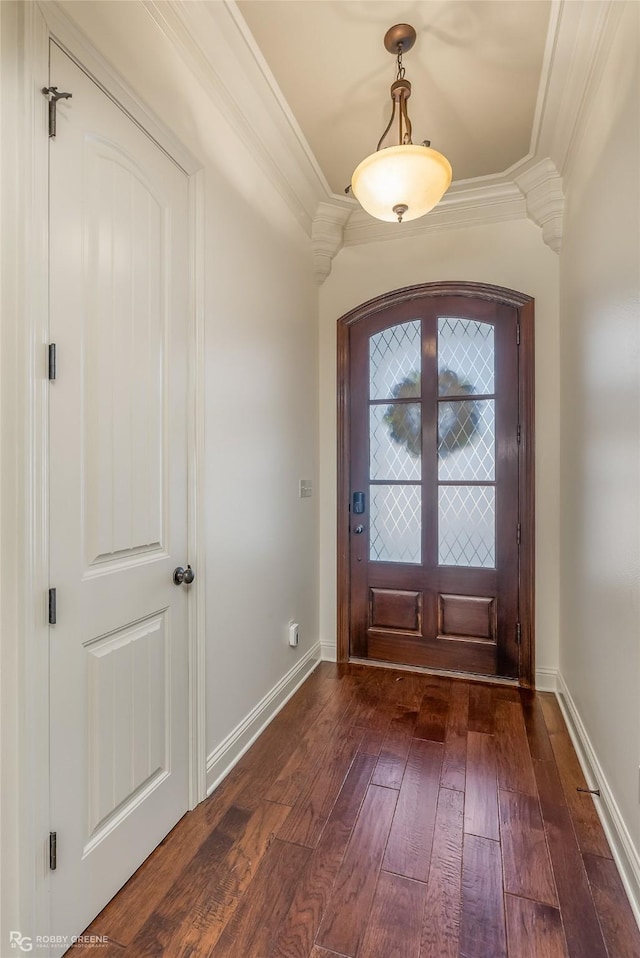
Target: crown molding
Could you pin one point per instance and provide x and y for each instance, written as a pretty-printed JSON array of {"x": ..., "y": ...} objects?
[
  {"x": 541, "y": 186},
  {"x": 327, "y": 236},
  {"x": 216, "y": 46},
  {"x": 461, "y": 207},
  {"x": 578, "y": 50},
  {"x": 532, "y": 190}
]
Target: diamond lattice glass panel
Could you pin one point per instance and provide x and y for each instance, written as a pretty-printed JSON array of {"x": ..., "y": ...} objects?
[
  {"x": 466, "y": 357},
  {"x": 394, "y": 362},
  {"x": 394, "y": 441},
  {"x": 396, "y": 524},
  {"x": 467, "y": 526},
  {"x": 466, "y": 440}
]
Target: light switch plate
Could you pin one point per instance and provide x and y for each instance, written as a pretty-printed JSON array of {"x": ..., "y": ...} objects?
[{"x": 306, "y": 488}]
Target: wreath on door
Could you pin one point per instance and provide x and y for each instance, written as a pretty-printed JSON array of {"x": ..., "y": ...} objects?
[{"x": 458, "y": 421}]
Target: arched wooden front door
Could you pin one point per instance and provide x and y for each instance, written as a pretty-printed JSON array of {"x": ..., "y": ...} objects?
[{"x": 435, "y": 520}]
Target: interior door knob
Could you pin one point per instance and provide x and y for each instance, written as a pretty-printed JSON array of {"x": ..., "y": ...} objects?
[{"x": 183, "y": 576}]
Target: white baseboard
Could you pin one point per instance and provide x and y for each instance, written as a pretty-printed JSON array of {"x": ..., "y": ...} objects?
[
  {"x": 328, "y": 652},
  {"x": 625, "y": 854},
  {"x": 222, "y": 759},
  {"x": 546, "y": 680}
]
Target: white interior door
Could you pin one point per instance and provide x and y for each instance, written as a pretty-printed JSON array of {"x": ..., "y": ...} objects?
[{"x": 118, "y": 496}]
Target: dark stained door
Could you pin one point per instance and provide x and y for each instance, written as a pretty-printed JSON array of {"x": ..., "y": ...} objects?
[{"x": 434, "y": 485}]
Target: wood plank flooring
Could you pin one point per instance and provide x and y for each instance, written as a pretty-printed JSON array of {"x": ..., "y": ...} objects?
[{"x": 385, "y": 814}]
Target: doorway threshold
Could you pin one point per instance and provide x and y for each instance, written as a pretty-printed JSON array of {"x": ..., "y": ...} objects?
[{"x": 443, "y": 673}]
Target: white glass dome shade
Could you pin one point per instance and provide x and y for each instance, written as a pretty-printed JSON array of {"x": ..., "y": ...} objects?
[{"x": 401, "y": 183}]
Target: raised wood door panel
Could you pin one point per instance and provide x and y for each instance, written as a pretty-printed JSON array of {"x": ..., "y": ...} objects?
[{"x": 432, "y": 409}]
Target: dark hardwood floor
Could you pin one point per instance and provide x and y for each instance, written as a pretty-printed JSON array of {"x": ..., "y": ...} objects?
[{"x": 385, "y": 814}]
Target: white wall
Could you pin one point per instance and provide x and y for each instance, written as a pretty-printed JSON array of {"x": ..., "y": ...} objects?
[
  {"x": 600, "y": 438},
  {"x": 260, "y": 381},
  {"x": 505, "y": 254}
]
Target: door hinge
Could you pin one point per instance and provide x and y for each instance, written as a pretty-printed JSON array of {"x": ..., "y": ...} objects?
[
  {"x": 518, "y": 633},
  {"x": 53, "y": 361},
  {"x": 54, "y": 96},
  {"x": 53, "y": 850},
  {"x": 519, "y": 434},
  {"x": 518, "y": 533},
  {"x": 518, "y": 334},
  {"x": 52, "y": 607}
]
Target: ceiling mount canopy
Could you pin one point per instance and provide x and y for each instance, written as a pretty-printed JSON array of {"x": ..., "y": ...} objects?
[
  {"x": 404, "y": 181},
  {"x": 399, "y": 39}
]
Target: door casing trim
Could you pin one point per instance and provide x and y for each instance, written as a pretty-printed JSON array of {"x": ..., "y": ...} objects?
[
  {"x": 524, "y": 305},
  {"x": 24, "y": 631}
]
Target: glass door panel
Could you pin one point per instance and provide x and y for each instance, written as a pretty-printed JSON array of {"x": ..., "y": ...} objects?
[
  {"x": 395, "y": 524},
  {"x": 467, "y": 526},
  {"x": 466, "y": 352},
  {"x": 466, "y": 440},
  {"x": 466, "y": 444},
  {"x": 394, "y": 361},
  {"x": 395, "y": 444}
]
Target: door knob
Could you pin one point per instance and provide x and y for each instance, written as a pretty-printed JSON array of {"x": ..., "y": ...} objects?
[
  {"x": 359, "y": 530},
  {"x": 183, "y": 576}
]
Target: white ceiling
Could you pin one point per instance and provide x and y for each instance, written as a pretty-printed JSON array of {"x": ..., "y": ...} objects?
[{"x": 475, "y": 69}]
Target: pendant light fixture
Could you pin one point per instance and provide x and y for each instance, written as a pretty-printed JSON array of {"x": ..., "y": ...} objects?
[{"x": 405, "y": 181}]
